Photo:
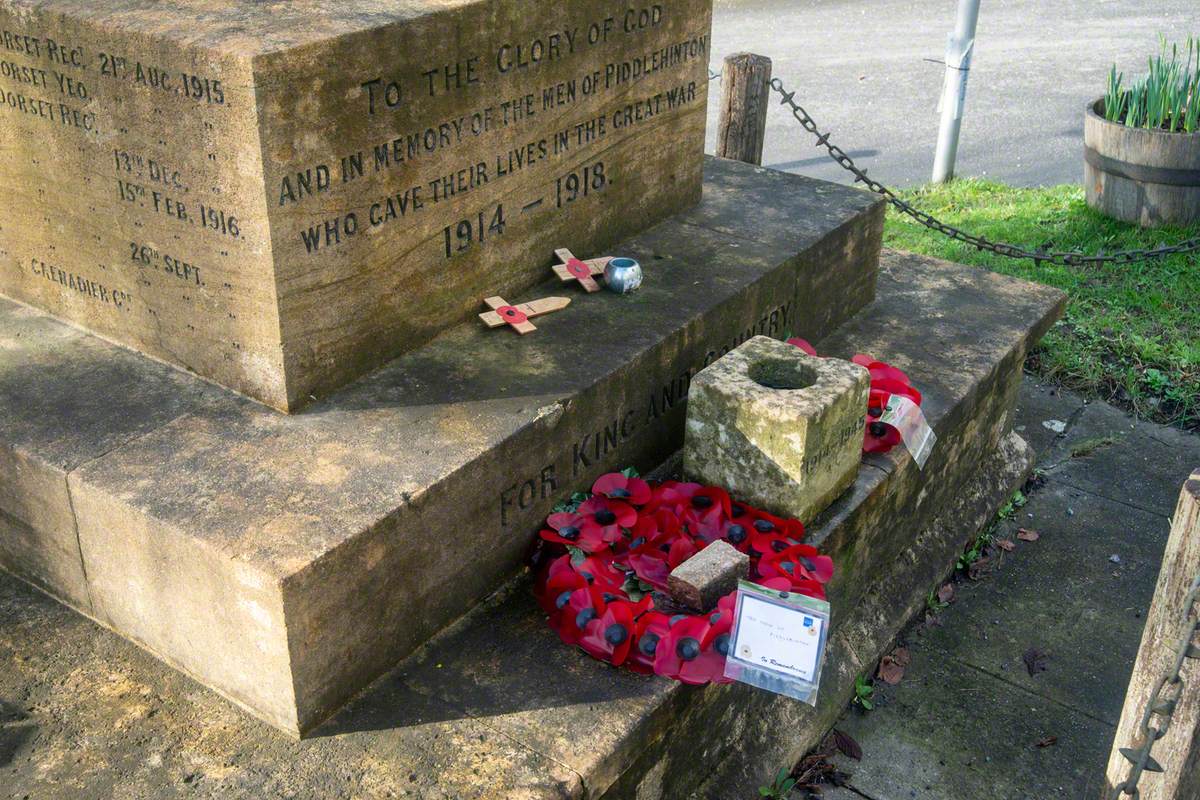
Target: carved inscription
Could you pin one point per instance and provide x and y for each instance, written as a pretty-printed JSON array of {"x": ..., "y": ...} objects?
[
  {"x": 602, "y": 447},
  {"x": 283, "y": 211},
  {"x": 79, "y": 88},
  {"x": 605, "y": 88}
]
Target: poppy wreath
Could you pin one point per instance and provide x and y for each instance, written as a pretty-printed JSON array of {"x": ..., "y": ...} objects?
[
  {"x": 886, "y": 381},
  {"x": 604, "y": 554}
]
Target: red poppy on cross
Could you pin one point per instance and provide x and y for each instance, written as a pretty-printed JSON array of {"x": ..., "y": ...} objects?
[
  {"x": 518, "y": 316},
  {"x": 575, "y": 269}
]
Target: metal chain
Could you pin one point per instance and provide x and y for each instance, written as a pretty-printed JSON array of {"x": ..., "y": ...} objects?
[
  {"x": 1072, "y": 258},
  {"x": 1161, "y": 704}
]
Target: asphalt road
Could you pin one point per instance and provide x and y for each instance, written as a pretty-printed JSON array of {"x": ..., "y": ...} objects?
[{"x": 859, "y": 67}]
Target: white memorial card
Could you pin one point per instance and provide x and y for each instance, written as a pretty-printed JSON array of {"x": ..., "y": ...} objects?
[{"x": 778, "y": 641}]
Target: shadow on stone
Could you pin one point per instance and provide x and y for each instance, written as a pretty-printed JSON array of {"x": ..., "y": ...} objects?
[{"x": 511, "y": 665}]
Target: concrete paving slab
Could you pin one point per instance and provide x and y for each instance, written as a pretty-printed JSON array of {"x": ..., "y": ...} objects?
[
  {"x": 1040, "y": 409},
  {"x": 1061, "y": 595},
  {"x": 1129, "y": 461},
  {"x": 948, "y": 733}
]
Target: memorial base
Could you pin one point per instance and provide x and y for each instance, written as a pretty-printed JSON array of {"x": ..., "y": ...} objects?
[
  {"x": 496, "y": 706},
  {"x": 287, "y": 561}
]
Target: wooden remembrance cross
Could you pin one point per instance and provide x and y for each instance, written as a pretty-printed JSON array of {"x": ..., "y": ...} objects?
[
  {"x": 575, "y": 269},
  {"x": 518, "y": 316}
]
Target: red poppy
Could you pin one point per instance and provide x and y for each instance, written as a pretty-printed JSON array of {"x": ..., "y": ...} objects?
[
  {"x": 779, "y": 584},
  {"x": 799, "y": 561},
  {"x": 803, "y": 345},
  {"x": 714, "y": 648},
  {"x": 616, "y": 486},
  {"x": 572, "y": 529},
  {"x": 681, "y": 550},
  {"x": 610, "y": 636},
  {"x": 679, "y": 497},
  {"x": 584, "y": 606},
  {"x": 652, "y": 628},
  {"x": 653, "y": 571},
  {"x": 607, "y": 516},
  {"x": 765, "y": 545},
  {"x": 561, "y": 581},
  {"x": 681, "y": 647},
  {"x": 599, "y": 572},
  {"x": 882, "y": 371},
  {"x": 711, "y": 527}
]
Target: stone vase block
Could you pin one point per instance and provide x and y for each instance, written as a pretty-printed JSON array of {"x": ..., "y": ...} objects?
[{"x": 777, "y": 427}]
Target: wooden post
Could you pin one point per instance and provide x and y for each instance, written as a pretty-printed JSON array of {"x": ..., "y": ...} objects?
[
  {"x": 1179, "y": 751},
  {"x": 745, "y": 95}
]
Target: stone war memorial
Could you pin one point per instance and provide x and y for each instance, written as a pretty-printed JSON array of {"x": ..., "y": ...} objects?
[{"x": 251, "y": 421}]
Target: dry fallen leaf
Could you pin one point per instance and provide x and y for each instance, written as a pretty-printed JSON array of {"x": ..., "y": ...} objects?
[
  {"x": 891, "y": 671},
  {"x": 1035, "y": 661},
  {"x": 846, "y": 744},
  {"x": 979, "y": 567},
  {"x": 946, "y": 593},
  {"x": 902, "y": 656},
  {"x": 1047, "y": 741},
  {"x": 1007, "y": 545},
  {"x": 1026, "y": 535}
]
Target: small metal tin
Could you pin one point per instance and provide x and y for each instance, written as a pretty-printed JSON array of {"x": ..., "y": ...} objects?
[{"x": 623, "y": 275}]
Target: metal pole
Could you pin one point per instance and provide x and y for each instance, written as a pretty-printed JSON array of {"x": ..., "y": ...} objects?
[{"x": 959, "y": 50}]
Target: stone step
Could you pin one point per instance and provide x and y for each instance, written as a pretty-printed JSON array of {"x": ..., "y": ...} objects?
[
  {"x": 496, "y": 707},
  {"x": 286, "y": 561}
]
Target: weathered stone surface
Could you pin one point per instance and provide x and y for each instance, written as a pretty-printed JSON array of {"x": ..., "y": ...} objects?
[
  {"x": 288, "y": 560},
  {"x": 554, "y": 722},
  {"x": 280, "y": 197},
  {"x": 706, "y": 577},
  {"x": 777, "y": 427}
]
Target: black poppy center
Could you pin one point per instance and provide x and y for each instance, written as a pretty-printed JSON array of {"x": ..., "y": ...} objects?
[
  {"x": 606, "y": 517},
  {"x": 875, "y": 411},
  {"x": 638, "y": 542},
  {"x": 688, "y": 648},
  {"x": 779, "y": 546},
  {"x": 563, "y": 599},
  {"x": 615, "y": 634},
  {"x": 721, "y": 644},
  {"x": 701, "y": 501},
  {"x": 570, "y": 533},
  {"x": 619, "y": 493},
  {"x": 878, "y": 429},
  {"x": 807, "y": 563},
  {"x": 764, "y": 525},
  {"x": 648, "y": 644},
  {"x": 788, "y": 567},
  {"x": 736, "y": 511},
  {"x": 584, "y": 617},
  {"x": 736, "y": 534}
]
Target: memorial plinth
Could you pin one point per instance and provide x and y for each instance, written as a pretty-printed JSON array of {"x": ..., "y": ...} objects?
[
  {"x": 281, "y": 196},
  {"x": 287, "y": 560}
]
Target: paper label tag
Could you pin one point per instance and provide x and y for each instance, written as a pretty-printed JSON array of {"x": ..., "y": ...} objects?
[
  {"x": 778, "y": 641},
  {"x": 906, "y": 416}
]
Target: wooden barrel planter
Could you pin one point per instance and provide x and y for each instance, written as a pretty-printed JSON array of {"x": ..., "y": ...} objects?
[{"x": 1138, "y": 175}]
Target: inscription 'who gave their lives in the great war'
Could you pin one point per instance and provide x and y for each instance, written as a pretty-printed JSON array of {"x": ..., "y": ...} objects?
[{"x": 382, "y": 94}]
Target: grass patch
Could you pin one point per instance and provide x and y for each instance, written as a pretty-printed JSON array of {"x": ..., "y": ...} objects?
[{"x": 1131, "y": 333}]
